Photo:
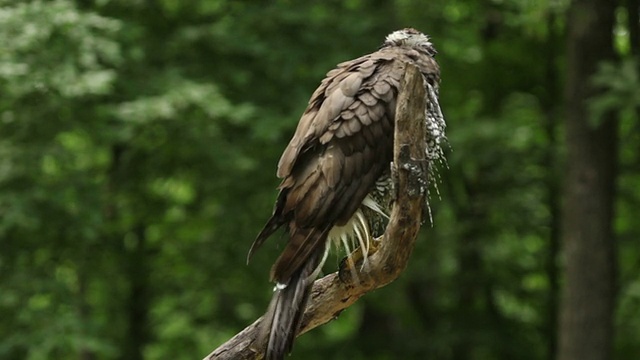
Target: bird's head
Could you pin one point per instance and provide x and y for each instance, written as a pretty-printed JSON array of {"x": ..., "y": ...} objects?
[{"x": 410, "y": 38}]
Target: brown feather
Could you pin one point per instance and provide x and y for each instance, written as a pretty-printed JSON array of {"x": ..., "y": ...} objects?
[
  {"x": 344, "y": 121},
  {"x": 302, "y": 243},
  {"x": 285, "y": 312},
  {"x": 341, "y": 147}
]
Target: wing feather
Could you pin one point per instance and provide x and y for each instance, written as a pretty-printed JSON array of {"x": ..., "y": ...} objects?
[
  {"x": 343, "y": 143},
  {"x": 341, "y": 147}
]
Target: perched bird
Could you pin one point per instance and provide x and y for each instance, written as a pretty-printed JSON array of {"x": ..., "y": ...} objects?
[{"x": 335, "y": 173}]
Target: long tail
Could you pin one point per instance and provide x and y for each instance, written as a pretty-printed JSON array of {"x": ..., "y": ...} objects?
[{"x": 281, "y": 322}]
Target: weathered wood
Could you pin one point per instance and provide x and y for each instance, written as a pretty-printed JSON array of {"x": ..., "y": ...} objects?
[{"x": 331, "y": 294}]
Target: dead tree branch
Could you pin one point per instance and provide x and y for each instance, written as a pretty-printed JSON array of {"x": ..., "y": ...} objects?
[{"x": 332, "y": 294}]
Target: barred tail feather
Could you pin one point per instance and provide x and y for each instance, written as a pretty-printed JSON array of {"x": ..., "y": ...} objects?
[{"x": 281, "y": 322}]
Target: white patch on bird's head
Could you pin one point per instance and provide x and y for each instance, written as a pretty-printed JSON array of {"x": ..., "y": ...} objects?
[{"x": 410, "y": 38}]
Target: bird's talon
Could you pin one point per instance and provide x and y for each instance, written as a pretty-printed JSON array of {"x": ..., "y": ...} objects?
[{"x": 353, "y": 263}]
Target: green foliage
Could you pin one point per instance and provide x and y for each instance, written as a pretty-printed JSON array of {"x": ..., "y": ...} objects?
[
  {"x": 56, "y": 49},
  {"x": 138, "y": 145},
  {"x": 619, "y": 85}
]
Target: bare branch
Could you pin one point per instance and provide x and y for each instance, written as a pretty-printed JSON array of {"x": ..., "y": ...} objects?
[{"x": 332, "y": 294}]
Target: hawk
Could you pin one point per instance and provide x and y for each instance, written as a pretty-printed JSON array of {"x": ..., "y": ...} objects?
[{"x": 335, "y": 172}]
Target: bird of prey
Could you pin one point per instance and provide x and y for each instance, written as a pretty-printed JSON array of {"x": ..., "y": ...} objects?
[{"x": 335, "y": 172}]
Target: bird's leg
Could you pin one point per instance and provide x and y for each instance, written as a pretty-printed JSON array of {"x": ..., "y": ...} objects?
[{"x": 357, "y": 260}]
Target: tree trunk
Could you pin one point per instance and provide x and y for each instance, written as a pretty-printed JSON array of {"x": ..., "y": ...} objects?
[
  {"x": 588, "y": 297},
  {"x": 138, "y": 299},
  {"x": 553, "y": 183},
  {"x": 633, "y": 11}
]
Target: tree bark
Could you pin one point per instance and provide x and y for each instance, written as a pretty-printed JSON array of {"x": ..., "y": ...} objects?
[
  {"x": 553, "y": 183},
  {"x": 633, "y": 12},
  {"x": 138, "y": 298},
  {"x": 588, "y": 297},
  {"x": 332, "y": 294}
]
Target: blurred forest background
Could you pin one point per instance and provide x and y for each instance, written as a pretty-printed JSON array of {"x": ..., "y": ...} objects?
[{"x": 138, "y": 146}]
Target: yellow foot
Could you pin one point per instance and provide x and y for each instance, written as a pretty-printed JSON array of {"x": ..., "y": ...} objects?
[{"x": 356, "y": 261}]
